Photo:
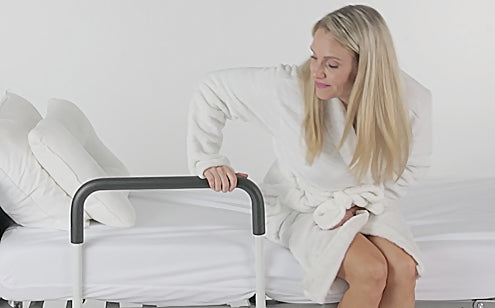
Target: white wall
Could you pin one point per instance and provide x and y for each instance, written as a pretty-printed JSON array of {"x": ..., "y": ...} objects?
[{"x": 132, "y": 65}]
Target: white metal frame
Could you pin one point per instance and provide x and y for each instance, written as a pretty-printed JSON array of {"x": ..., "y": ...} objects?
[{"x": 77, "y": 273}]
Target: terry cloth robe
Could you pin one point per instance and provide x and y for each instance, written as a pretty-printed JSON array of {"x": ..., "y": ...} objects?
[{"x": 303, "y": 201}]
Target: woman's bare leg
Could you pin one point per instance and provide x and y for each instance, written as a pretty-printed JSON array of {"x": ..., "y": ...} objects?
[
  {"x": 364, "y": 268},
  {"x": 401, "y": 279}
]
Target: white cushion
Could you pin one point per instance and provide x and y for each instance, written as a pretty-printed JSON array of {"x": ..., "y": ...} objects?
[
  {"x": 66, "y": 145},
  {"x": 27, "y": 193}
]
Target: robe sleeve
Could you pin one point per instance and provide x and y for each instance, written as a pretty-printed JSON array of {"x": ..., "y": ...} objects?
[
  {"x": 420, "y": 111},
  {"x": 247, "y": 94}
]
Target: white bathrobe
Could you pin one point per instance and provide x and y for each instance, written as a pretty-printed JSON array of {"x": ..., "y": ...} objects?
[{"x": 303, "y": 201}]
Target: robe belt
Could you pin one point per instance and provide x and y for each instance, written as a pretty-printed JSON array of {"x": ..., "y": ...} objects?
[{"x": 329, "y": 208}]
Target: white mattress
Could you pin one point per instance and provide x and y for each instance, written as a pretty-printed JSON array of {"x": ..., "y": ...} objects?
[
  {"x": 177, "y": 253},
  {"x": 195, "y": 248}
]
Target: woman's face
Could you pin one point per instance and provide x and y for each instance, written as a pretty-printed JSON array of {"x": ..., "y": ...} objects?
[{"x": 333, "y": 67}]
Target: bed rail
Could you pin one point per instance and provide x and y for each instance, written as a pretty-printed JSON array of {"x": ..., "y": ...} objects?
[{"x": 154, "y": 183}]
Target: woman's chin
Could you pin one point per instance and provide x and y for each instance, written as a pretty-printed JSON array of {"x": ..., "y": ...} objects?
[{"x": 323, "y": 96}]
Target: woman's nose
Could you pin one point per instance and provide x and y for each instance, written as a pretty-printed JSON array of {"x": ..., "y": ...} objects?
[{"x": 317, "y": 70}]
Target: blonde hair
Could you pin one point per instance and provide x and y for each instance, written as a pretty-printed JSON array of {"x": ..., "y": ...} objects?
[{"x": 376, "y": 104}]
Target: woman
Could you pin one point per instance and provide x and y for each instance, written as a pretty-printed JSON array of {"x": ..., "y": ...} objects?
[{"x": 350, "y": 133}]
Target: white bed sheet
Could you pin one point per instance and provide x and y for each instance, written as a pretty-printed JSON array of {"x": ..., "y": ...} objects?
[
  {"x": 195, "y": 248},
  {"x": 454, "y": 225}
]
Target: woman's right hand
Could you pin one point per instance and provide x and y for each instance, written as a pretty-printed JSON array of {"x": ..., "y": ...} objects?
[
  {"x": 348, "y": 215},
  {"x": 222, "y": 178}
]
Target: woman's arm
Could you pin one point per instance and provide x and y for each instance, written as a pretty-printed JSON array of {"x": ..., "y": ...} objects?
[{"x": 248, "y": 94}]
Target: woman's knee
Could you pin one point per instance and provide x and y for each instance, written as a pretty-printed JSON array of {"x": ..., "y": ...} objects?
[
  {"x": 371, "y": 274},
  {"x": 376, "y": 272},
  {"x": 403, "y": 271},
  {"x": 364, "y": 267}
]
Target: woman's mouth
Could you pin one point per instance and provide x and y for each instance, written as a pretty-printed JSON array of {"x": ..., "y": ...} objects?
[{"x": 320, "y": 85}]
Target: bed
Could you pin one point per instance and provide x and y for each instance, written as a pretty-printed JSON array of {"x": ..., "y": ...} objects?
[
  {"x": 187, "y": 247},
  {"x": 194, "y": 248}
]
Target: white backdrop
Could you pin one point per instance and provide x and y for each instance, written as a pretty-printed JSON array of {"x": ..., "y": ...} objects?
[{"x": 131, "y": 67}]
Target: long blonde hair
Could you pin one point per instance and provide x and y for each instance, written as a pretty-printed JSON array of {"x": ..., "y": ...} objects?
[{"x": 376, "y": 104}]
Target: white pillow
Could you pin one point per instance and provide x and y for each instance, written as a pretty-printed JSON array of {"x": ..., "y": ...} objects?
[
  {"x": 66, "y": 145},
  {"x": 27, "y": 193}
]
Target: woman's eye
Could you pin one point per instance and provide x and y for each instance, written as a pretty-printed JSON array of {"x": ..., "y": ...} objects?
[
  {"x": 313, "y": 57},
  {"x": 333, "y": 66}
]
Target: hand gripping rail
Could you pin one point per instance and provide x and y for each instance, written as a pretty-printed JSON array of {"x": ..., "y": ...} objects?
[{"x": 166, "y": 182}]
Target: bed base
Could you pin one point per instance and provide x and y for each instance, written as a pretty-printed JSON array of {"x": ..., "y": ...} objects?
[{"x": 479, "y": 303}]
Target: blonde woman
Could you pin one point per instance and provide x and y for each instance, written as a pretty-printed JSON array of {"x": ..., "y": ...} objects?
[{"x": 351, "y": 132}]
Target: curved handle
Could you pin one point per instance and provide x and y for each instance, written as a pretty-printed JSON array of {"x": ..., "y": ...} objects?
[{"x": 164, "y": 182}]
